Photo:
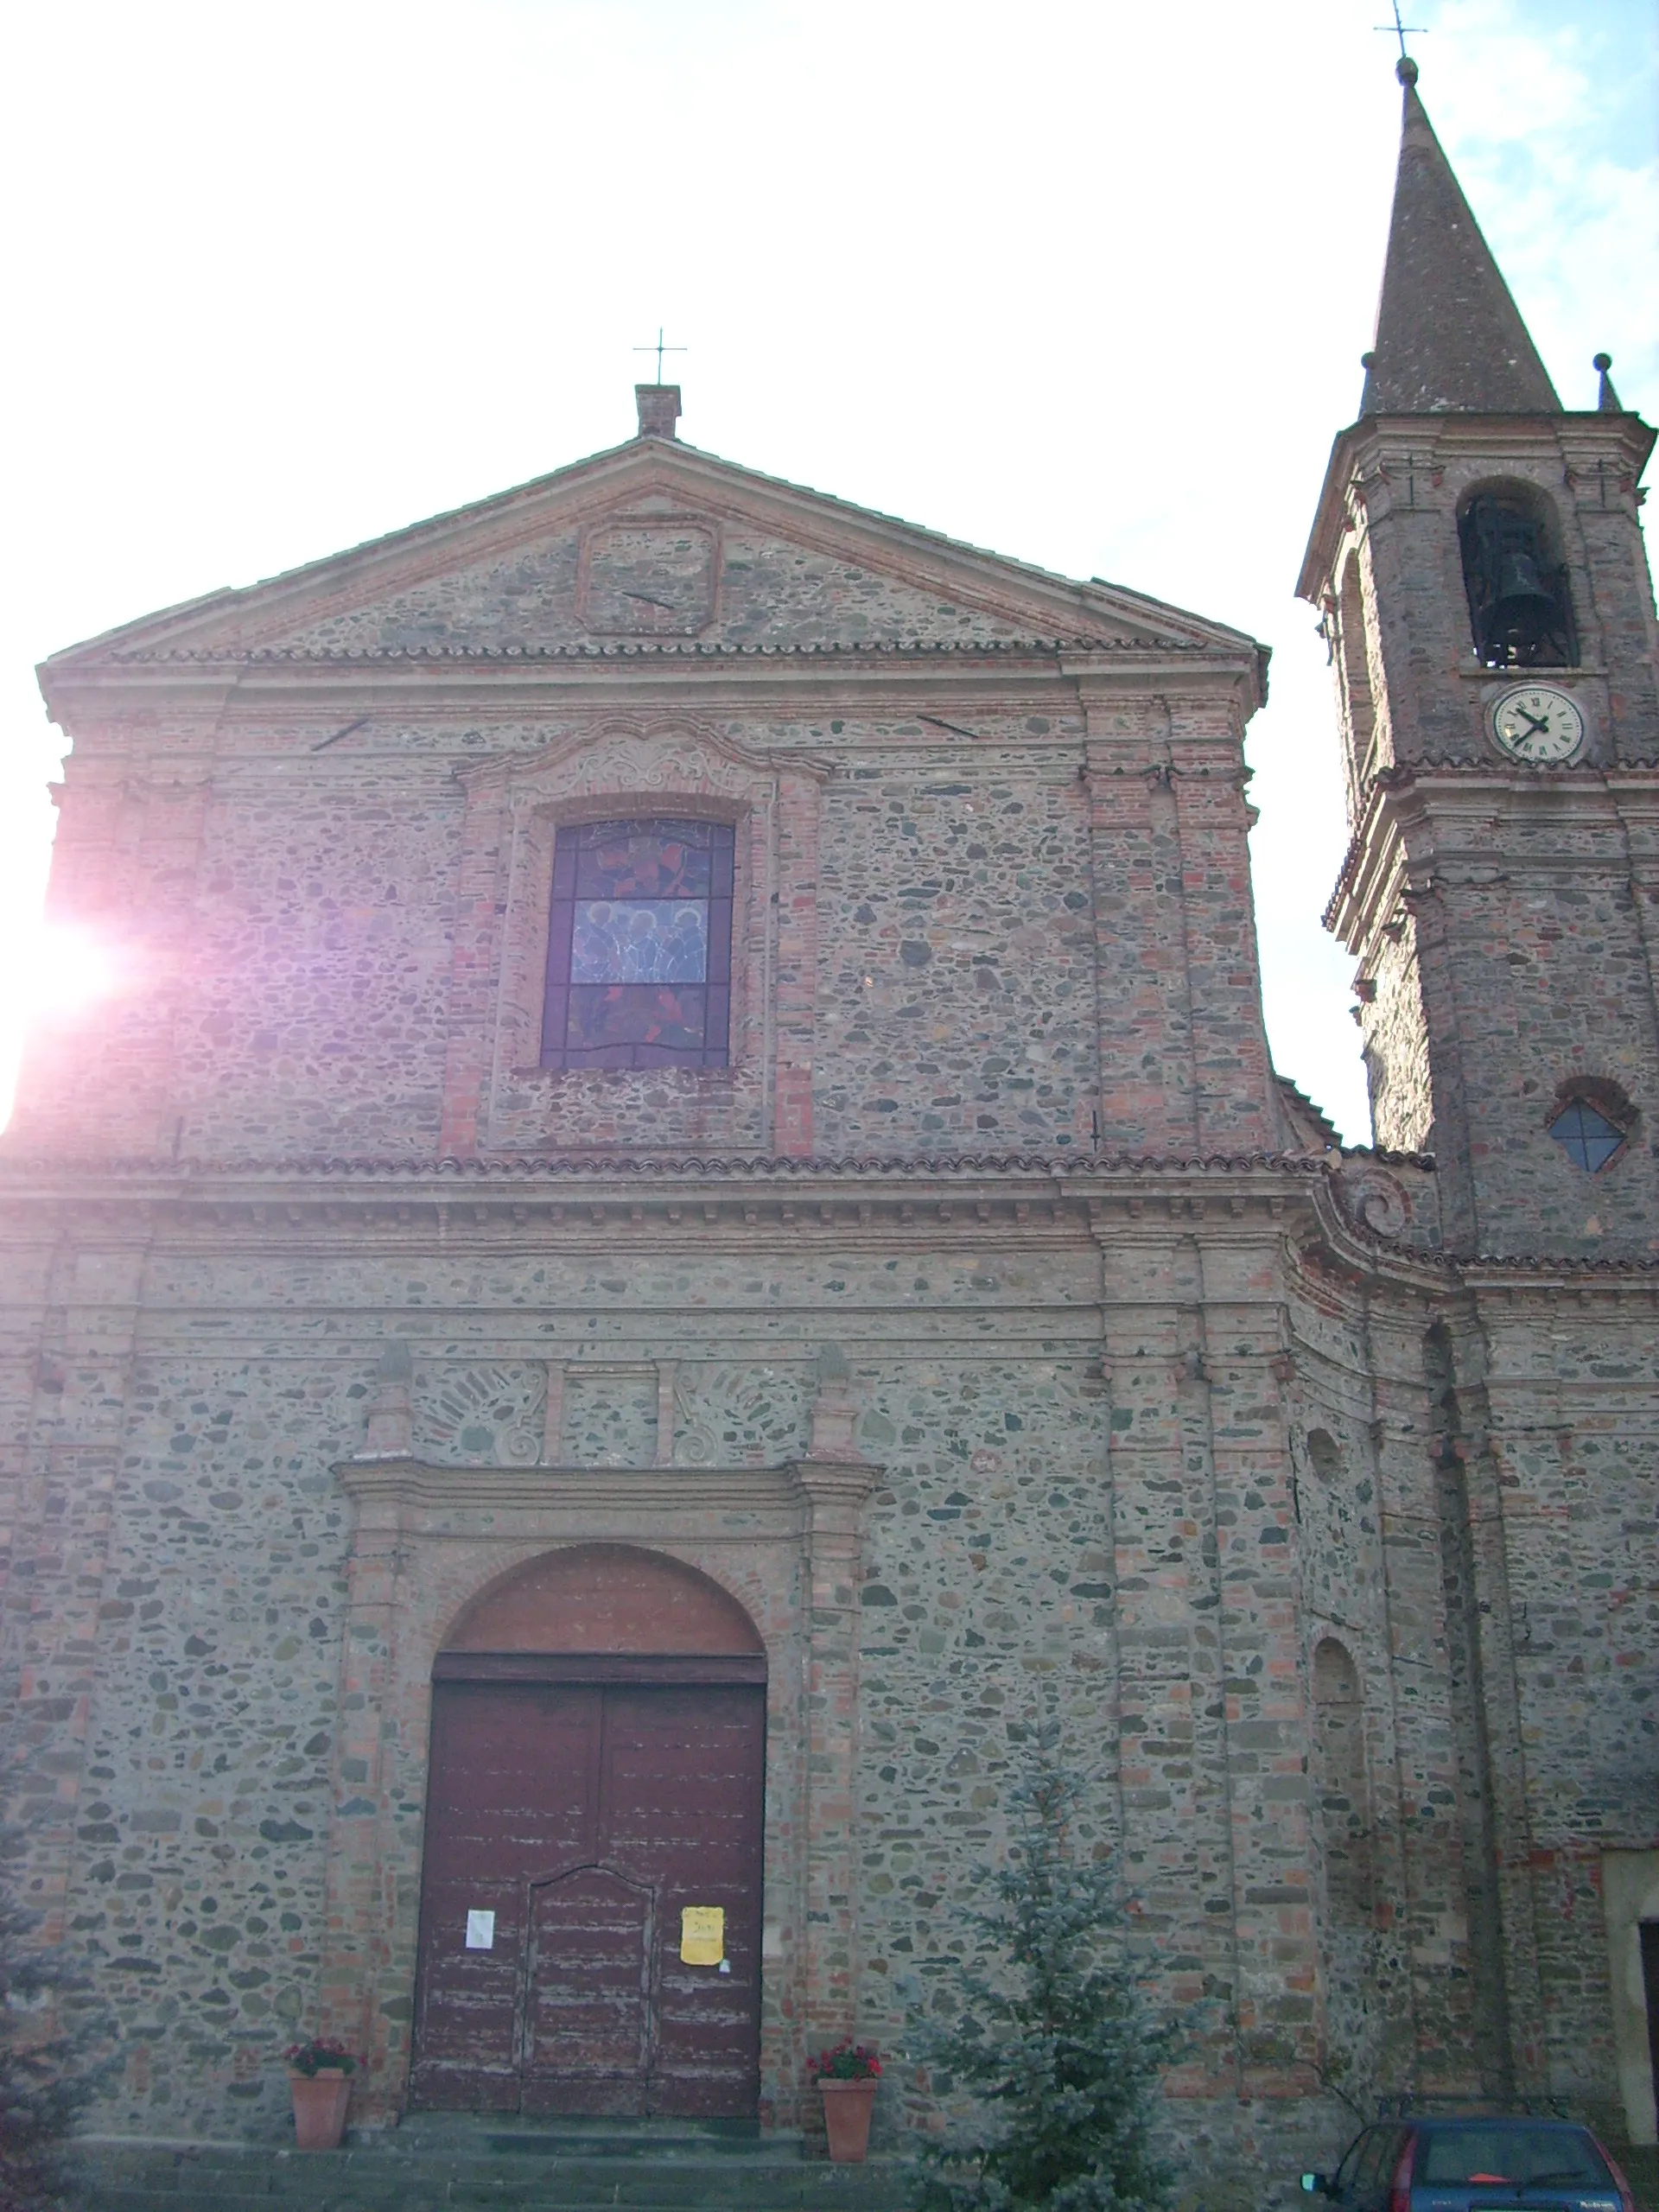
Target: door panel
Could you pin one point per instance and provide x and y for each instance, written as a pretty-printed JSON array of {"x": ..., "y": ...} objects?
[
  {"x": 586, "y": 1817},
  {"x": 512, "y": 1790},
  {"x": 683, "y": 1778},
  {"x": 587, "y": 2044}
]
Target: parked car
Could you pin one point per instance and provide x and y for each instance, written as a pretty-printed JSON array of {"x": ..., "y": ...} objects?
[{"x": 1425, "y": 2165}]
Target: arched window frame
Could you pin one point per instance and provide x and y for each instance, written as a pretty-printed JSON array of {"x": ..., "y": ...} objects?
[{"x": 498, "y": 1094}]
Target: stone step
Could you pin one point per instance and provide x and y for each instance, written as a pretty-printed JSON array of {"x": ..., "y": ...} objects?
[
  {"x": 501, "y": 2170},
  {"x": 552, "y": 2137}
]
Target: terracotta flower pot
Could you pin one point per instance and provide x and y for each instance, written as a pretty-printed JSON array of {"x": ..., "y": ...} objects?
[
  {"x": 847, "y": 2118},
  {"x": 319, "y": 2102}
]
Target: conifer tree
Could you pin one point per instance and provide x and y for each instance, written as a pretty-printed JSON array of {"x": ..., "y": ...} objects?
[{"x": 1055, "y": 2041}]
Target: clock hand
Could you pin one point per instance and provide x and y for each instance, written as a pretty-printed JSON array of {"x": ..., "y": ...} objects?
[
  {"x": 666, "y": 605},
  {"x": 1539, "y": 728}
]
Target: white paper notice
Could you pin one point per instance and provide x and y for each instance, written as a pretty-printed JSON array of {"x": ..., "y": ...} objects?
[{"x": 480, "y": 1931}]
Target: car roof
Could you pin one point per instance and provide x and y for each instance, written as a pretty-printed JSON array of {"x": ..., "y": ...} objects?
[{"x": 1490, "y": 2120}]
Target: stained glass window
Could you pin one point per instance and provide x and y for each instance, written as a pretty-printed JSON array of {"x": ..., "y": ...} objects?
[
  {"x": 1588, "y": 1138},
  {"x": 639, "y": 954}
]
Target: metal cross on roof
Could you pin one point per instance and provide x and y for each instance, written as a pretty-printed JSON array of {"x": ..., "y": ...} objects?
[
  {"x": 1399, "y": 28},
  {"x": 660, "y": 349}
]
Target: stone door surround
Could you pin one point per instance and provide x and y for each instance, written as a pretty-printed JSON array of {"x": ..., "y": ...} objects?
[{"x": 784, "y": 1542}]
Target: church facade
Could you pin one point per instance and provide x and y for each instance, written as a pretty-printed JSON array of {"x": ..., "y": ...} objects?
[{"x": 683, "y": 1244}]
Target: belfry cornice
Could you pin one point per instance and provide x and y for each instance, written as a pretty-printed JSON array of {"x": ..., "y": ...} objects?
[{"x": 1394, "y": 851}]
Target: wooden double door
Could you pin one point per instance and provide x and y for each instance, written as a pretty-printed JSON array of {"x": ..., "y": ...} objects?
[{"x": 569, "y": 1824}]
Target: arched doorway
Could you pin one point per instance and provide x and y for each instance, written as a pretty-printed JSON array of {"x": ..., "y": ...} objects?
[{"x": 590, "y": 1902}]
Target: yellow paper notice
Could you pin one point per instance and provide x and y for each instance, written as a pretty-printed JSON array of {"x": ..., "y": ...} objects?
[{"x": 702, "y": 1934}]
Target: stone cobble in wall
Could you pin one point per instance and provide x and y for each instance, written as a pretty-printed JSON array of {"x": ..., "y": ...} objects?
[
  {"x": 196, "y": 1901},
  {"x": 958, "y": 990}
]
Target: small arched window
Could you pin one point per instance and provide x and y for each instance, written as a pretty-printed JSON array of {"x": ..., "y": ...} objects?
[{"x": 1520, "y": 607}]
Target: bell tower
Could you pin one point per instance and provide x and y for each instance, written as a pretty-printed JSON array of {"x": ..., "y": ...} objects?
[{"x": 1484, "y": 596}]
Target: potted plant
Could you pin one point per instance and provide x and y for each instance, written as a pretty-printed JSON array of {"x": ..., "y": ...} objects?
[
  {"x": 847, "y": 2074},
  {"x": 319, "y": 2074}
]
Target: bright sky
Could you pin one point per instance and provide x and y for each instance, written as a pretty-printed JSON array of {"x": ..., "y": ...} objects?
[{"x": 1084, "y": 280}]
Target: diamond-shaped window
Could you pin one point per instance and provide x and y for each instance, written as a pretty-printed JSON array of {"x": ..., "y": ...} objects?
[{"x": 1587, "y": 1138}]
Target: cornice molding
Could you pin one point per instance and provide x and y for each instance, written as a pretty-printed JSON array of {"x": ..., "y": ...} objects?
[
  {"x": 792, "y": 1500},
  {"x": 212, "y": 689},
  {"x": 676, "y": 649},
  {"x": 327, "y": 1207},
  {"x": 1221, "y": 1198},
  {"x": 198, "y": 1178}
]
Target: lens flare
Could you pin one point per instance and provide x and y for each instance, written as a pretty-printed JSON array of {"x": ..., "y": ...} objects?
[{"x": 63, "y": 972}]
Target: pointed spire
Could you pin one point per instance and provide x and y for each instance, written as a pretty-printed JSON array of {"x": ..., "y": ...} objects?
[
  {"x": 1449, "y": 338},
  {"x": 1607, "y": 400}
]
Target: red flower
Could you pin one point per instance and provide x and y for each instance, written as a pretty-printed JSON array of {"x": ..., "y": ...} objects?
[{"x": 846, "y": 2061}]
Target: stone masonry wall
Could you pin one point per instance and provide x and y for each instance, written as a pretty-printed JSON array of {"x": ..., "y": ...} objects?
[
  {"x": 1128, "y": 1484},
  {"x": 1529, "y": 985},
  {"x": 1568, "y": 1387},
  {"x": 996, "y": 1549},
  {"x": 768, "y": 592},
  {"x": 1396, "y": 1032},
  {"x": 954, "y": 1001}
]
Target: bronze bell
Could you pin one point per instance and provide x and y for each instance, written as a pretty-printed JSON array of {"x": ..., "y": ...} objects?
[
  {"x": 1519, "y": 610},
  {"x": 1527, "y": 613},
  {"x": 1518, "y": 582}
]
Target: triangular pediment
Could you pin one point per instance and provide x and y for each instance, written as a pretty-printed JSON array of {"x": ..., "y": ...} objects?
[{"x": 654, "y": 546}]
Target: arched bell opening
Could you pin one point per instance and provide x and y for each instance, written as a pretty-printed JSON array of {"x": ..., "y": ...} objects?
[
  {"x": 591, "y": 1889},
  {"x": 1520, "y": 600}
]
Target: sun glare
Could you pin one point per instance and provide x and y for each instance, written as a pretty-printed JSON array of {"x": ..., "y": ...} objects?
[
  {"x": 64, "y": 972},
  {"x": 57, "y": 975}
]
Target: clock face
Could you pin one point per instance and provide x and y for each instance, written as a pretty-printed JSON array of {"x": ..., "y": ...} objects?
[{"x": 1537, "y": 723}]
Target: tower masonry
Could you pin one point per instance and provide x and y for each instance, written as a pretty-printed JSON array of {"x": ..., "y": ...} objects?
[{"x": 1479, "y": 567}]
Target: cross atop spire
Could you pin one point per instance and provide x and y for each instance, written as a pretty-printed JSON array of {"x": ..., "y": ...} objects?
[
  {"x": 1449, "y": 337},
  {"x": 1400, "y": 29}
]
